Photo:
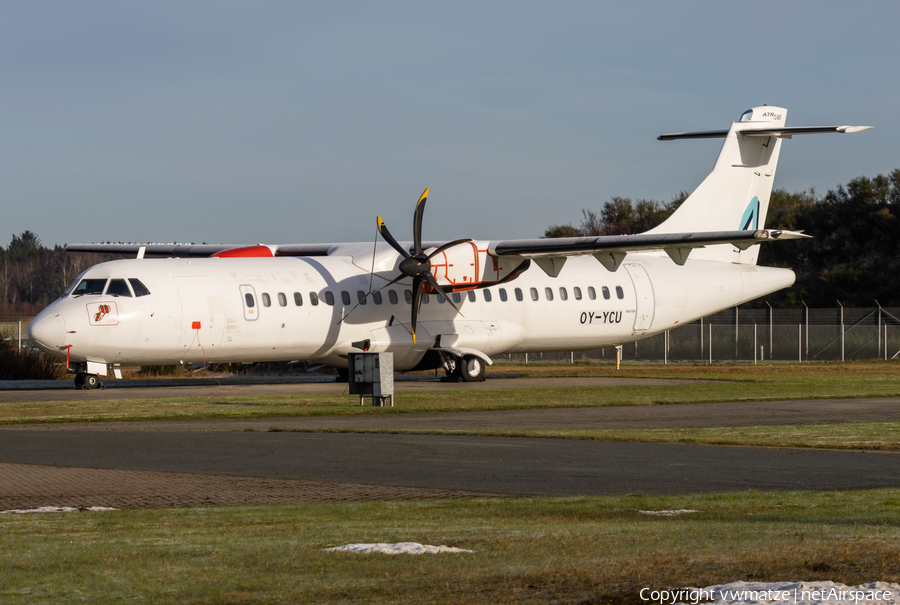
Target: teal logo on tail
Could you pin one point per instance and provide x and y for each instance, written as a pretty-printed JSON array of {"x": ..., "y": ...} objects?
[{"x": 750, "y": 220}]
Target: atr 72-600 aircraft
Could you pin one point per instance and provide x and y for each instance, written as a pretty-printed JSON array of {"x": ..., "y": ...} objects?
[{"x": 434, "y": 304}]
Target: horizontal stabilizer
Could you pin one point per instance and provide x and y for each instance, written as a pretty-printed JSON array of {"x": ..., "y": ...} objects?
[{"x": 783, "y": 132}]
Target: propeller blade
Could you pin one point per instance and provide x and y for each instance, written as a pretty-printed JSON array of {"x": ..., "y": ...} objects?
[
  {"x": 383, "y": 230},
  {"x": 437, "y": 288},
  {"x": 448, "y": 245},
  {"x": 417, "y": 222},
  {"x": 417, "y": 298}
]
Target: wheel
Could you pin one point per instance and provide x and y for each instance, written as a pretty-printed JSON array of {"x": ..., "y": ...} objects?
[
  {"x": 472, "y": 369},
  {"x": 91, "y": 381}
]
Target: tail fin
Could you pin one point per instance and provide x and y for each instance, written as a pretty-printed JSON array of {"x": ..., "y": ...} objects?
[{"x": 735, "y": 195}]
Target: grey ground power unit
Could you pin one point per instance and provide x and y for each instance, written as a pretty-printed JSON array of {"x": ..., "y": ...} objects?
[{"x": 372, "y": 374}]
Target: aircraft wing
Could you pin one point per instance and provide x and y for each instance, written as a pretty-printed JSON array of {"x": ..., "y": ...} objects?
[
  {"x": 610, "y": 250},
  {"x": 203, "y": 250}
]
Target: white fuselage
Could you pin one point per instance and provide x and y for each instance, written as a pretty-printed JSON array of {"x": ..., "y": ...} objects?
[{"x": 199, "y": 309}]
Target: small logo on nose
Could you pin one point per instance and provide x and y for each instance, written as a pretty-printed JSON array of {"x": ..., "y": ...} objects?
[
  {"x": 103, "y": 314},
  {"x": 102, "y": 310}
]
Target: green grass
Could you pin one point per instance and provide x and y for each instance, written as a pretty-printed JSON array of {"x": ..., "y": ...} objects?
[
  {"x": 722, "y": 383},
  {"x": 588, "y": 549}
]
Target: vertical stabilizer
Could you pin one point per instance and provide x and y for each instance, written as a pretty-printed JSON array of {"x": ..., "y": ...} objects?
[{"x": 735, "y": 195}]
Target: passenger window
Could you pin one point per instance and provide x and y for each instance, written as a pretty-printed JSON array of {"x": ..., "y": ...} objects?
[
  {"x": 502, "y": 292},
  {"x": 619, "y": 292},
  {"x": 248, "y": 298},
  {"x": 605, "y": 293},
  {"x": 298, "y": 299},
  {"x": 487, "y": 296},
  {"x": 313, "y": 299},
  {"x": 139, "y": 288},
  {"x": 392, "y": 296},
  {"x": 329, "y": 298},
  {"x": 534, "y": 294},
  {"x": 267, "y": 302},
  {"x": 90, "y": 286},
  {"x": 577, "y": 292},
  {"x": 376, "y": 296},
  {"x": 456, "y": 297},
  {"x": 282, "y": 299},
  {"x": 345, "y": 297},
  {"x": 519, "y": 296},
  {"x": 548, "y": 292},
  {"x": 471, "y": 295},
  {"x": 563, "y": 295},
  {"x": 440, "y": 299},
  {"x": 592, "y": 294},
  {"x": 361, "y": 297},
  {"x": 118, "y": 287},
  {"x": 425, "y": 299},
  {"x": 407, "y": 294}
]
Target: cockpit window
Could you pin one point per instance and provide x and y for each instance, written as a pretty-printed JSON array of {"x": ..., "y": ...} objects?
[
  {"x": 746, "y": 116},
  {"x": 90, "y": 286},
  {"x": 118, "y": 287},
  {"x": 139, "y": 288}
]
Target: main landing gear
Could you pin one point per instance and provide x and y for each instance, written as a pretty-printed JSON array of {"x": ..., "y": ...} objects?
[
  {"x": 83, "y": 380},
  {"x": 468, "y": 368}
]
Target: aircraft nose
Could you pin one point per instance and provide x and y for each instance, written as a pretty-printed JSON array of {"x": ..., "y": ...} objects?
[{"x": 48, "y": 332}]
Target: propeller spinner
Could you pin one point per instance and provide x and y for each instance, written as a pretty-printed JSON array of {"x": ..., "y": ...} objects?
[{"x": 418, "y": 265}]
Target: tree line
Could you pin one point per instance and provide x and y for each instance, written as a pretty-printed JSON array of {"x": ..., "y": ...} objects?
[
  {"x": 853, "y": 258},
  {"x": 32, "y": 275}
]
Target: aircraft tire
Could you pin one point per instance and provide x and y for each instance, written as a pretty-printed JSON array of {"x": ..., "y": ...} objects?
[
  {"x": 472, "y": 369},
  {"x": 91, "y": 381}
]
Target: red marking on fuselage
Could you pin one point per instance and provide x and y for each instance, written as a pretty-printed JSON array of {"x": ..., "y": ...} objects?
[{"x": 245, "y": 252}]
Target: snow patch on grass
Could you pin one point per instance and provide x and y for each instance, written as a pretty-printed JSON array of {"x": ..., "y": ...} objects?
[
  {"x": 399, "y": 548},
  {"x": 53, "y": 509}
]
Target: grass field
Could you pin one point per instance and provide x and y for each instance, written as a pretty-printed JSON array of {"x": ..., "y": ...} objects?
[{"x": 536, "y": 550}]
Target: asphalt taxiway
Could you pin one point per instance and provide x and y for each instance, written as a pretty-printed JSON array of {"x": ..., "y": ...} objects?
[{"x": 230, "y": 461}]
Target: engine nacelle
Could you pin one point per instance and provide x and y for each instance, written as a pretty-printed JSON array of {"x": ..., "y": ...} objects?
[{"x": 470, "y": 265}]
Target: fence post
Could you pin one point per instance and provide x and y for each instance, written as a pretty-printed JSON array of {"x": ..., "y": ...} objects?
[
  {"x": 710, "y": 344},
  {"x": 20, "y": 334},
  {"x": 807, "y": 330},
  {"x": 736, "y": 333},
  {"x": 754, "y": 344},
  {"x": 701, "y": 337},
  {"x": 879, "y": 326},
  {"x": 666, "y": 348},
  {"x": 800, "y": 342},
  {"x": 842, "y": 329},
  {"x": 771, "y": 315}
]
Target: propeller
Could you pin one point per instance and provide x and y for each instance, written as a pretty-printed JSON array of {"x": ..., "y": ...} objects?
[{"x": 418, "y": 265}]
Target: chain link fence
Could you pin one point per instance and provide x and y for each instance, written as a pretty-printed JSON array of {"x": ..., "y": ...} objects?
[{"x": 757, "y": 335}]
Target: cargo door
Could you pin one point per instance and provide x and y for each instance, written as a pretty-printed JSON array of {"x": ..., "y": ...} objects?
[{"x": 643, "y": 293}]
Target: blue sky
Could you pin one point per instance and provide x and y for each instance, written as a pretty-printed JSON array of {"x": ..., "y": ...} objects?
[{"x": 279, "y": 122}]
